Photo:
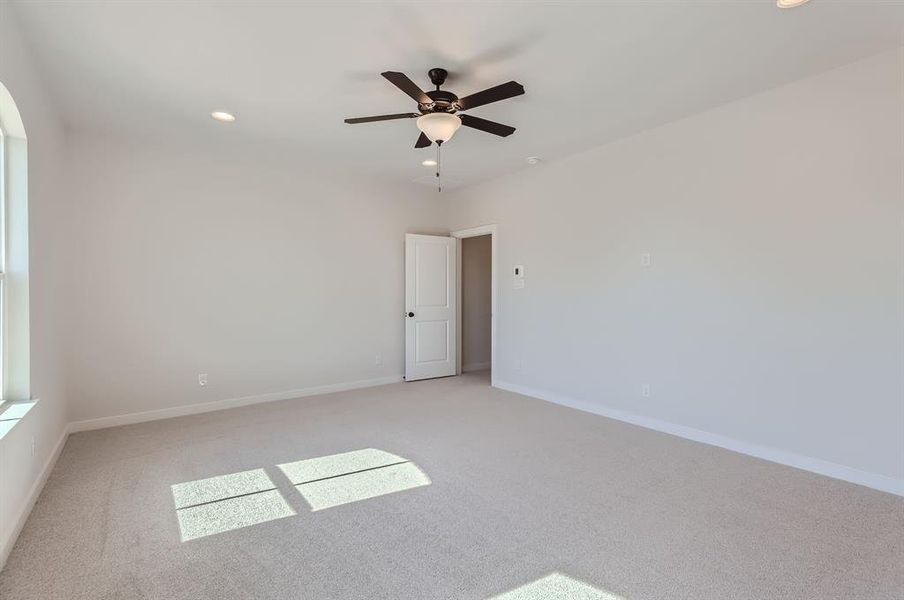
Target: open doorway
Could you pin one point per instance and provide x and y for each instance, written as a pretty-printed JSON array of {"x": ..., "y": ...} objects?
[
  {"x": 476, "y": 313},
  {"x": 476, "y": 300}
]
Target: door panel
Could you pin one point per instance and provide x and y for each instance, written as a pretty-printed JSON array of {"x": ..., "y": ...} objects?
[
  {"x": 432, "y": 346},
  {"x": 432, "y": 288},
  {"x": 430, "y": 306}
]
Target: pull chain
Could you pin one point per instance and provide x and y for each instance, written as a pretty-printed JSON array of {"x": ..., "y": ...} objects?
[{"x": 439, "y": 154}]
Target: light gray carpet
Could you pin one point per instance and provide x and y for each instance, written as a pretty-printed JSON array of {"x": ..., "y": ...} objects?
[{"x": 519, "y": 491}]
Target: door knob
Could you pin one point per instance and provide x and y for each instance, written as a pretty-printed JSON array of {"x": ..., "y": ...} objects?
[{"x": 411, "y": 314}]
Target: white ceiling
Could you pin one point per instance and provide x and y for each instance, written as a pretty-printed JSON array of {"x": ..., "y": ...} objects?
[{"x": 291, "y": 71}]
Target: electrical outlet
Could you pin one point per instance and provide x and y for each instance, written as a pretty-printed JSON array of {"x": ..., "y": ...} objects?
[
  {"x": 202, "y": 379},
  {"x": 646, "y": 390},
  {"x": 378, "y": 359},
  {"x": 646, "y": 259}
]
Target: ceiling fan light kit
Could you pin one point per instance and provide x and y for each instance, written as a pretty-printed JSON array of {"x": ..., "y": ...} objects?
[
  {"x": 439, "y": 127},
  {"x": 437, "y": 118}
]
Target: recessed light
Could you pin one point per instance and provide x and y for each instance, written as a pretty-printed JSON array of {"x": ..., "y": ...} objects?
[
  {"x": 221, "y": 115},
  {"x": 789, "y": 3},
  {"x": 429, "y": 163}
]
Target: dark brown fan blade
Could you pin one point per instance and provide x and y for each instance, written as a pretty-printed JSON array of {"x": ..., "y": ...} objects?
[
  {"x": 401, "y": 81},
  {"x": 488, "y": 126},
  {"x": 422, "y": 142},
  {"x": 382, "y": 118},
  {"x": 493, "y": 94}
]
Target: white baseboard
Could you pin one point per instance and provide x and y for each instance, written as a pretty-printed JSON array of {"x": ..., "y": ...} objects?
[
  {"x": 806, "y": 463},
  {"x": 475, "y": 367},
  {"x": 193, "y": 409},
  {"x": 32, "y": 497}
]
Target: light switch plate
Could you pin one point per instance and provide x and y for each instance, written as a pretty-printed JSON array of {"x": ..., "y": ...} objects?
[{"x": 518, "y": 271}]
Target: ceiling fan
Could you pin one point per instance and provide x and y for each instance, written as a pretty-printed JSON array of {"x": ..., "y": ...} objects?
[{"x": 438, "y": 117}]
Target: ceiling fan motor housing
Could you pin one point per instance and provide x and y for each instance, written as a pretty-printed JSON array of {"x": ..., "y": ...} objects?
[
  {"x": 442, "y": 102},
  {"x": 437, "y": 76}
]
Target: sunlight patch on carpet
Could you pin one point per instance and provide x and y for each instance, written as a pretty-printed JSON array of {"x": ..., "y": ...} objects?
[
  {"x": 556, "y": 586},
  {"x": 221, "y": 487},
  {"x": 224, "y": 503},
  {"x": 231, "y": 514},
  {"x": 227, "y": 502},
  {"x": 334, "y": 465},
  {"x": 336, "y": 491}
]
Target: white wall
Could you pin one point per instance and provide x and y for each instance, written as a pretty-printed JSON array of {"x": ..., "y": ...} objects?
[
  {"x": 264, "y": 272},
  {"x": 772, "y": 313},
  {"x": 20, "y": 469},
  {"x": 476, "y": 267}
]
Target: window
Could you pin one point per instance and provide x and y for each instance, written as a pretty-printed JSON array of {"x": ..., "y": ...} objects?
[
  {"x": 3, "y": 302},
  {"x": 14, "y": 336}
]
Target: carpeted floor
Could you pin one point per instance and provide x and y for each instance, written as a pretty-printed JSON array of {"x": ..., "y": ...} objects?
[{"x": 500, "y": 496}]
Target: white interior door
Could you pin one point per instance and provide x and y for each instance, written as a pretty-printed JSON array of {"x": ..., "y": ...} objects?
[{"x": 430, "y": 306}]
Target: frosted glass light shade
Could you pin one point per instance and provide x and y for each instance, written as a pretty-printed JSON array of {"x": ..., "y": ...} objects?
[{"x": 439, "y": 127}]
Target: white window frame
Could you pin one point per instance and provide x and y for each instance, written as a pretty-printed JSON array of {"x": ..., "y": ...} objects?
[
  {"x": 15, "y": 347},
  {"x": 4, "y": 342}
]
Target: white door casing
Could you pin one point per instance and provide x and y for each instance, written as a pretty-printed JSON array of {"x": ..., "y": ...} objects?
[{"x": 430, "y": 309}]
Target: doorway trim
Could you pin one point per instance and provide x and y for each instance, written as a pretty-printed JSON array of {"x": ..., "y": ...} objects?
[{"x": 459, "y": 235}]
